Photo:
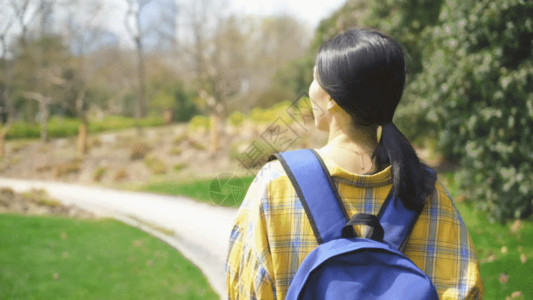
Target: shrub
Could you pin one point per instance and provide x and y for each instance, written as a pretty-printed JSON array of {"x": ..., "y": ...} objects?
[
  {"x": 99, "y": 173},
  {"x": 195, "y": 144},
  {"x": 236, "y": 118},
  {"x": 478, "y": 84},
  {"x": 180, "y": 138},
  {"x": 199, "y": 122},
  {"x": 179, "y": 166},
  {"x": 156, "y": 165},
  {"x": 139, "y": 150},
  {"x": 64, "y": 127},
  {"x": 120, "y": 175},
  {"x": 176, "y": 151},
  {"x": 67, "y": 168},
  {"x": 240, "y": 151}
]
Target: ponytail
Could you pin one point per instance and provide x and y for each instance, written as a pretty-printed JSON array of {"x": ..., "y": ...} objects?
[
  {"x": 412, "y": 180},
  {"x": 363, "y": 70}
]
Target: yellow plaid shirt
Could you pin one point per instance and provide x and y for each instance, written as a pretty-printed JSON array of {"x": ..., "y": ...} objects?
[{"x": 272, "y": 235}]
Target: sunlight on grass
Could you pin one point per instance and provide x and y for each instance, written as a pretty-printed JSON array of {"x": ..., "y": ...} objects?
[
  {"x": 62, "y": 258},
  {"x": 201, "y": 190}
]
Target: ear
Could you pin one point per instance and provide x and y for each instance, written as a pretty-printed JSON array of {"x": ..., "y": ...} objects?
[{"x": 332, "y": 105}]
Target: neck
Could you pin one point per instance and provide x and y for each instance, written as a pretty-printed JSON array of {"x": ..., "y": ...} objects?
[
  {"x": 351, "y": 146},
  {"x": 343, "y": 134}
]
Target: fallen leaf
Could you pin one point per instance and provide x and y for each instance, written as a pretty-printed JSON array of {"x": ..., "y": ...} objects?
[
  {"x": 64, "y": 235},
  {"x": 460, "y": 198},
  {"x": 489, "y": 258},
  {"x": 517, "y": 225},
  {"x": 503, "y": 278},
  {"x": 516, "y": 294},
  {"x": 523, "y": 258},
  {"x": 55, "y": 276},
  {"x": 504, "y": 250}
]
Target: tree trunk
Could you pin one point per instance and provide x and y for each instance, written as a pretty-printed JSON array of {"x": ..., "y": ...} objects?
[
  {"x": 82, "y": 137},
  {"x": 30, "y": 112},
  {"x": 43, "y": 107},
  {"x": 143, "y": 105},
  {"x": 3, "y": 134},
  {"x": 214, "y": 136},
  {"x": 168, "y": 116}
]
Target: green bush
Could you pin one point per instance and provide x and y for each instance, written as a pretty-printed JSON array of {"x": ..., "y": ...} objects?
[
  {"x": 65, "y": 127},
  {"x": 199, "y": 121},
  {"x": 236, "y": 118},
  {"x": 156, "y": 165},
  {"x": 476, "y": 92},
  {"x": 23, "y": 130},
  {"x": 179, "y": 166},
  {"x": 269, "y": 115}
]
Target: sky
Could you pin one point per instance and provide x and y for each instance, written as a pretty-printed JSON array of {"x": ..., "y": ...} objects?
[
  {"x": 311, "y": 12},
  {"x": 112, "y": 13}
]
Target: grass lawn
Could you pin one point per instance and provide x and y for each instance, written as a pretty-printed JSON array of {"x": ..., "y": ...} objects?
[
  {"x": 63, "y": 258},
  {"x": 505, "y": 255},
  {"x": 206, "y": 190}
]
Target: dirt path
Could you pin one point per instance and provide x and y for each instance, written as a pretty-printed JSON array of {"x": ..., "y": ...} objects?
[{"x": 199, "y": 231}]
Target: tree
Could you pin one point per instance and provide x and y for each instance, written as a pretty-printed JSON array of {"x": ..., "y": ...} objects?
[
  {"x": 6, "y": 78},
  {"x": 40, "y": 72},
  {"x": 219, "y": 57},
  {"x": 24, "y": 15},
  {"x": 477, "y": 86},
  {"x": 133, "y": 26},
  {"x": 279, "y": 48},
  {"x": 80, "y": 33},
  {"x": 37, "y": 74}
]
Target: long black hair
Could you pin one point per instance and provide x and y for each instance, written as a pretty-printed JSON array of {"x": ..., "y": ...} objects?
[{"x": 363, "y": 70}]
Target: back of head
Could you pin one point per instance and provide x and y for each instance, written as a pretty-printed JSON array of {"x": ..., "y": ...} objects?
[{"x": 363, "y": 70}]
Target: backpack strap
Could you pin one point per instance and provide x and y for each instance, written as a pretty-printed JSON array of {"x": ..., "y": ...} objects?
[
  {"x": 321, "y": 201},
  {"x": 397, "y": 221},
  {"x": 315, "y": 189}
]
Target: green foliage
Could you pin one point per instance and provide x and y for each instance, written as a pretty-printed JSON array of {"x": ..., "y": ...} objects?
[
  {"x": 162, "y": 101},
  {"x": 272, "y": 96},
  {"x": 156, "y": 165},
  {"x": 99, "y": 173},
  {"x": 184, "y": 106},
  {"x": 179, "y": 166},
  {"x": 84, "y": 259},
  {"x": 297, "y": 74},
  {"x": 476, "y": 92},
  {"x": 200, "y": 122},
  {"x": 65, "y": 127},
  {"x": 269, "y": 115},
  {"x": 236, "y": 118}
]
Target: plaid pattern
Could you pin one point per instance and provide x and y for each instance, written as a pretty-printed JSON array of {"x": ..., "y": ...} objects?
[{"x": 272, "y": 235}]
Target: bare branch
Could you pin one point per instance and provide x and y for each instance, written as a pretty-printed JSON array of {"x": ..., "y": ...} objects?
[{"x": 37, "y": 97}]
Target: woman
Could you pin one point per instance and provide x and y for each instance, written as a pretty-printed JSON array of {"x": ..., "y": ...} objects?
[{"x": 359, "y": 77}]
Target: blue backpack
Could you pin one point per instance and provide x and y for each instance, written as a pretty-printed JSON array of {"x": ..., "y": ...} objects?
[{"x": 345, "y": 266}]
